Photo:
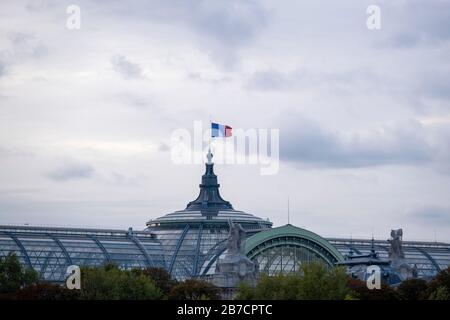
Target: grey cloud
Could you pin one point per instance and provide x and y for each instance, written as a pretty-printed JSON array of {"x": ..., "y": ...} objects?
[
  {"x": 163, "y": 147},
  {"x": 306, "y": 142},
  {"x": 434, "y": 83},
  {"x": 303, "y": 78},
  {"x": 125, "y": 68},
  {"x": 15, "y": 152},
  {"x": 136, "y": 101},
  {"x": 229, "y": 22},
  {"x": 274, "y": 80},
  {"x": 41, "y": 5},
  {"x": 432, "y": 214},
  {"x": 404, "y": 40},
  {"x": 200, "y": 77},
  {"x": 2, "y": 69},
  {"x": 232, "y": 23},
  {"x": 225, "y": 27},
  {"x": 432, "y": 20},
  {"x": 125, "y": 180},
  {"x": 221, "y": 27},
  {"x": 419, "y": 23},
  {"x": 27, "y": 45},
  {"x": 71, "y": 171},
  {"x": 20, "y": 38},
  {"x": 23, "y": 46},
  {"x": 430, "y": 83}
]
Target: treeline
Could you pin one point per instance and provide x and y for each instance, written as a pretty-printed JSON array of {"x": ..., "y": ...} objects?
[
  {"x": 106, "y": 282},
  {"x": 313, "y": 282},
  {"x": 317, "y": 282}
]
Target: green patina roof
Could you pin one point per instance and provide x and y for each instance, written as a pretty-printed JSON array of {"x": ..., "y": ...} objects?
[{"x": 290, "y": 230}]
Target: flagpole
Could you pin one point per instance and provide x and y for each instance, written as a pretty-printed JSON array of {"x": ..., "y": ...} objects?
[
  {"x": 210, "y": 135},
  {"x": 288, "y": 210}
]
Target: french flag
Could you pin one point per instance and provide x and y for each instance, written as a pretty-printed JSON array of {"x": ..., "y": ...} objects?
[{"x": 220, "y": 130}]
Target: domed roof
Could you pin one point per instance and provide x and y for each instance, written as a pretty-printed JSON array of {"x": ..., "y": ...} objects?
[
  {"x": 290, "y": 231},
  {"x": 209, "y": 205}
]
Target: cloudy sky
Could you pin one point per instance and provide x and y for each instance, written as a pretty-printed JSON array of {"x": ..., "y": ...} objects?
[{"x": 364, "y": 115}]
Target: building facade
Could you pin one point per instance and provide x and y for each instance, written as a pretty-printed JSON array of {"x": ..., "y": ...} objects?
[{"x": 188, "y": 243}]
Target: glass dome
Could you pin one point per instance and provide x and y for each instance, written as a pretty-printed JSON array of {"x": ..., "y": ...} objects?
[{"x": 195, "y": 237}]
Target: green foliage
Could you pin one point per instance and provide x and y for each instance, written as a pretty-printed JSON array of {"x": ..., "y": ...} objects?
[
  {"x": 413, "y": 289},
  {"x": 315, "y": 281},
  {"x": 439, "y": 287},
  {"x": 441, "y": 293},
  {"x": 161, "y": 278},
  {"x": 322, "y": 283},
  {"x": 443, "y": 278},
  {"x": 13, "y": 276},
  {"x": 359, "y": 290},
  {"x": 277, "y": 287},
  {"x": 245, "y": 292},
  {"x": 46, "y": 291},
  {"x": 111, "y": 283},
  {"x": 194, "y": 290}
]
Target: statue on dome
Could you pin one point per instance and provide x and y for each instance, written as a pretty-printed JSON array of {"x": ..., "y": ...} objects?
[
  {"x": 397, "y": 256},
  {"x": 396, "y": 248},
  {"x": 236, "y": 239},
  {"x": 234, "y": 267},
  {"x": 209, "y": 156}
]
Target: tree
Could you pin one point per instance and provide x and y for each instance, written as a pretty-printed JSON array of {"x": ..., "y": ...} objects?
[
  {"x": 13, "y": 276},
  {"x": 322, "y": 283},
  {"x": 46, "y": 291},
  {"x": 277, "y": 287},
  {"x": 245, "y": 292},
  {"x": 413, "y": 289},
  {"x": 192, "y": 289},
  {"x": 162, "y": 279},
  {"x": 358, "y": 289},
  {"x": 111, "y": 283},
  {"x": 443, "y": 278},
  {"x": 440, "y": 286},
  {"x": 315, "y": 281},
  {"x": 441, "y": 293}
]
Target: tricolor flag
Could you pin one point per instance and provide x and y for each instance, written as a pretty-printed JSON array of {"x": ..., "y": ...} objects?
[{"x": 220, "y": 130}]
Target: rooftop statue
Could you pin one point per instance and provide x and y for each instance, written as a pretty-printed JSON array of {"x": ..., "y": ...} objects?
[
  {"x": 209, "y": 157},
  {"x": 397, "y": 257},
  {"x": 396, "y": 249},
  {"x": 234, "y": 267},
  {"x": 236, "y": 239}
]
